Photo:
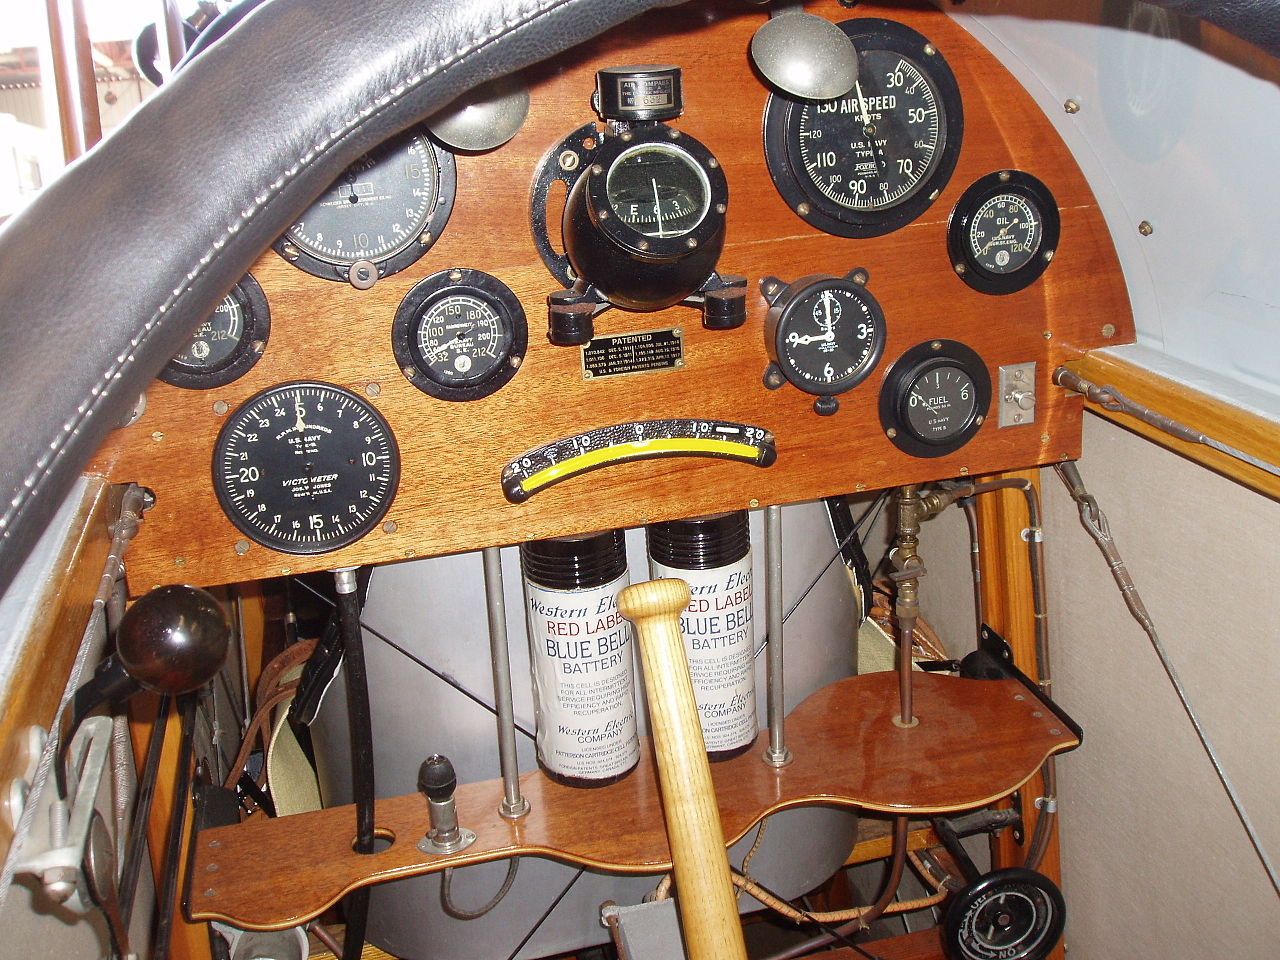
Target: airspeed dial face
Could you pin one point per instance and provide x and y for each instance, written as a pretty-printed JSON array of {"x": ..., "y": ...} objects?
[
  {"x": 870, "y": 161},
  {"x": 305, "y": 467},
  {"x": 875, "y": 147}
]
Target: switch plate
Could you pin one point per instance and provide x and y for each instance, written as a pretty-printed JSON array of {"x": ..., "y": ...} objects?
[{"x": 1018, "y": 394}]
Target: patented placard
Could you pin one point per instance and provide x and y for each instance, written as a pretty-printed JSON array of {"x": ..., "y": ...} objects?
[{"x": 641, "y": 351}]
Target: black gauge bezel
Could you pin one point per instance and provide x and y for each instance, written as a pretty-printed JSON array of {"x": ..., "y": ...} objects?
[
  {"x": 279, "y": 544},
  {"x": 1047, "y": 922},
  {"x": 906, "y": 371},
  {"x": 253, "y": 343},
  {"x": 1038, "y": 196},
  {"x": 482, "y": 286},
  {"x": 782, "y": 119},
  {"x": 623, "y": 235},
  {"x": 446, "y": 191},
  {"x": 783, "y": 310}
]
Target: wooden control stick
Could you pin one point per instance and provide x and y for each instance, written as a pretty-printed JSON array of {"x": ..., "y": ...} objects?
[{"x": 708, "y": 913}]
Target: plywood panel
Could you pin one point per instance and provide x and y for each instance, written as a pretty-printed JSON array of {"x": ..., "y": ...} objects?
[{"x": 449, "y": 499}]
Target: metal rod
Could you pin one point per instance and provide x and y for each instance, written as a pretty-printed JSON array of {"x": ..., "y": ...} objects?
[
  {"x": 907, "y": 572},
  {"x": 776, "y": 754},
  {"x": 360, "y": 725},
  {"x": 513, "y": 804}
]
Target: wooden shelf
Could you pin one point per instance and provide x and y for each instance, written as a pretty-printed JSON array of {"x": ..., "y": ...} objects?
[{"x": 976, "y": 741}]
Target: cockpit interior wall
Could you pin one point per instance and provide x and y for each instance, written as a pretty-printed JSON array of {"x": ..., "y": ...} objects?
[{"x": 169, "y": 214}]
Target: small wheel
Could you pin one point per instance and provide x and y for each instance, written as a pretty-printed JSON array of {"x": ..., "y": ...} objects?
[{"x": 1009, "y": 914}]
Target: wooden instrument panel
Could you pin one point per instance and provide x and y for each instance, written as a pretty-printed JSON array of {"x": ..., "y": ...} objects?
[{"x": 449, "y": 497}]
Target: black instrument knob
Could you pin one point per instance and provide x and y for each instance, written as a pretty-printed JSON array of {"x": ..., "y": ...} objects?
[{"x": 436, "y": 779}]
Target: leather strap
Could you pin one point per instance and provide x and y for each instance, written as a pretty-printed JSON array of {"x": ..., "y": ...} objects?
[{"x": 109, "y": 271}]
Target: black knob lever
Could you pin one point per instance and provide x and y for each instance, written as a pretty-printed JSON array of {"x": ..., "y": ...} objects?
[
  {"x": 172, "y": 640},
  {"x": 437, "y": 782}
]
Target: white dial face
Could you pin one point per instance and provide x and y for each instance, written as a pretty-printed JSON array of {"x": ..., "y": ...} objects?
[{"x": 379, "y": 206}]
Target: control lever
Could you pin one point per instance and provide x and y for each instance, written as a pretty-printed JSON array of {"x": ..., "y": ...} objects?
[
  {"x": 437, "y": 782},
  {"x": 172, "y": 640}
]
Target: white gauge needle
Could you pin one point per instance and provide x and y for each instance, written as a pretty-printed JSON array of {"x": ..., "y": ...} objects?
[
  {"x": 460, "y": 335},
  {"x": 862, "y": 107},
  {"x": 299, "y": 411},
  {"x": 657, "y": 206},
  {"x": 1005, "y": 230}
]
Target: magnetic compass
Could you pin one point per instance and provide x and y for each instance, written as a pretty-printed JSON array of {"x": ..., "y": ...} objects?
[
  {"x": 1009, "y": 914},
  {"x": 934, "y": 398},
  {"x": 873, "y": 160},
  {"x": 1003, "y": 232},
  {"x": 380, "y": 216},
  {"x": 824, "y": 334},
  {"x": 459, "y": 335},
  {"x": 305, "y": 467},
  {"x": 227, "y": 344}
]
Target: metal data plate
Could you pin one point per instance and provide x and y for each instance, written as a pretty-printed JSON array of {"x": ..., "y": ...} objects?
[{"x": 640, "y": 351}]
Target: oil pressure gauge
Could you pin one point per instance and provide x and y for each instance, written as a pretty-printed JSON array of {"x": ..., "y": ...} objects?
[
  {"x": 934, "y": 398},
  {"x": 824, "y": 334},
  {"x": 1003, "y": 232},
  {"x": 459, "y": 335}
]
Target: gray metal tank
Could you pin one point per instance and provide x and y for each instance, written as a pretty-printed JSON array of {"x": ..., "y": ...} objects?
[{"x": 435, "y": 609}]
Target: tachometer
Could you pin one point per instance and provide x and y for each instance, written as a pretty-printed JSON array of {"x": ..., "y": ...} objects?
[
  {"x": 305, "y": 467},
  {"x": 875, "y": 159},
  {"x": 381, "y": 215}
]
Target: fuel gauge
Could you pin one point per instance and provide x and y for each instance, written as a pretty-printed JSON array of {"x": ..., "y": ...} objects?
[{"x": 935, "y": 398}]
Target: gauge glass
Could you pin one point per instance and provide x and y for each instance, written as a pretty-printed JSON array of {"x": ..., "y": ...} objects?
[
  {"x": 216, "y": 339},
  {"x": 828, "y": 338},
  {"x": 1005, "y": 233},
  {"x": 379, "y": 206},
  {"x": 657, "y": 189},
  {"x": 462, "y": 339},
  {"x": 940, "y": 404},
  {"x": 305, "y": 467},
  {"x": 875, "y": 147}
]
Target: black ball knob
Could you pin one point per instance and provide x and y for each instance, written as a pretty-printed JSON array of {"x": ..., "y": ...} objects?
[
  {"x": 436, "y": 779},
  {"x": 174, "y": 639}
]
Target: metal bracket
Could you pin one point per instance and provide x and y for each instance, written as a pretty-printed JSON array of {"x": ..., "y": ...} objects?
[{"x": 55, "y": 858}]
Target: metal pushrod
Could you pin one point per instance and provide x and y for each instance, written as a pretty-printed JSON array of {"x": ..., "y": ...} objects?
[
  {"x": 776, "y": 754},
  {"x": 513, "y": 804}
]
